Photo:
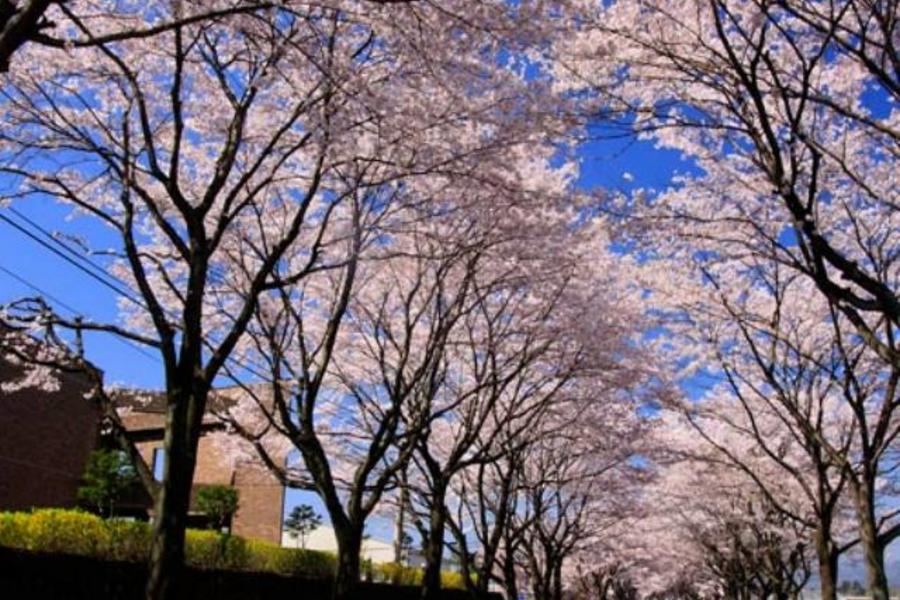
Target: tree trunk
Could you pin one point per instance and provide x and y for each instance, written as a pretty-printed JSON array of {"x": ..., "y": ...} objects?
[
  {"x": 511, "y": 589},
  {"x": 557, "y": 581},
  {"x": 471, "y": 572},
  {"x": 509, "y": 578},
  {"x": 828, "y": 566},
  {"x": 434, "y": 549},
  {"x": 171, "y": 506},
  {"x": 541, "y": 588},
  {"x": 399, "y": 524},
  {"x": 873, "y": 553},
  {"x": 346, "y": 579}
]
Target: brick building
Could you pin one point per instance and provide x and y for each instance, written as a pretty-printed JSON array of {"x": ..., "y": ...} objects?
[
  {"x": 45, "y": 440},
  {"x": 261, "y": 495},
  {"x": 47, "y": 436}
]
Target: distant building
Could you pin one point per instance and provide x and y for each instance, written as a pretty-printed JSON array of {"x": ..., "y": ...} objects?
[
  {"x": 47, "y": 437},
  {"x": 260, "y": 494},
  {"x": 322, "y": 538}
]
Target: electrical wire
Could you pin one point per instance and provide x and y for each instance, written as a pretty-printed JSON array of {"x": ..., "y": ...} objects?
[
  {"x": 103, "y": 277},
  {"x": 235, "y": 359},
  {"x": 73, "y": 311},
  {"x": 55, "y": 239},
  {"x": 69, "y": 260}
]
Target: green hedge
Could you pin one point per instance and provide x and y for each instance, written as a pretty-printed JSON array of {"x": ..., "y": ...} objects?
[
  {"x": 81, "y": 533},
  {"x": 404, "y": 575},
  {"x": 397, "y": 574}
]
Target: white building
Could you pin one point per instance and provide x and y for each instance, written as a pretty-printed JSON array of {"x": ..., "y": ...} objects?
[{"x": 323, "y": 539}]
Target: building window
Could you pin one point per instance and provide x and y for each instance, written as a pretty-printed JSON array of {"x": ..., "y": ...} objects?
[{"x": 159, "y": 461}]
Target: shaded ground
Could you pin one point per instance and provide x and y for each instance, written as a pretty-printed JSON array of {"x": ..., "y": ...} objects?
[{"x": 27, "y": 575}]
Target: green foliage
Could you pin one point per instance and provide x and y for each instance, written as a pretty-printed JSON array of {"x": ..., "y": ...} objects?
[
  {"x": 451, "y": 580},
  {"x": 78, "y": 532},
  {"x": 366, "y": 568},
  {"x": 302, "y": 521},
  {"x": 218, "y": 503},
  {"x": 398, "y": 574},
  {"x": 211, "y": 550},
  {"x": 290, "y": 561},
  {"x": 108, "y": 474},
  {"x": 128, "y": 541},
  {"x": 55, "y": 530}
]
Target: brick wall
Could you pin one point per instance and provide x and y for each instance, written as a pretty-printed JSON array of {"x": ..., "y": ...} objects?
[
  {"x": 261, "y": 496},
  {"x": 45, "y": 439},
  {"x": 261, "y": 504}
]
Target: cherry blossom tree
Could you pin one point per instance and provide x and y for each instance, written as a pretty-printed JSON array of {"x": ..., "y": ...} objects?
[
  {"x": 551, "y": 490},
  {"x": 230, "y": 158},
  {"x": 750, "y": 548},
  {"x": 505, "y": 374},
  {"x": 355, "y": 355},
  {"x": 56, "y": 24},
  {"x": 520, "y": 360},
  {"x": 340, "y": 385},
  {"x": 573, "y": 493},
  {"x": 786, "y": 116},
  {"x": 779, "y": 402},
  {"x": 606, "y": 583},
  {"x": 703, "y": 529}
]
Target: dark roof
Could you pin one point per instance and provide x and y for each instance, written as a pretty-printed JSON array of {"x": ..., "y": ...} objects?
[
  {"x": 154, "y": 401},
  {"x": 151, "y": 401}
]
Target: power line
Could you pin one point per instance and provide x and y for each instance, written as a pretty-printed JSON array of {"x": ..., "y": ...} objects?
[
  {"x": 238, "y": 361},
  {"x": 55, "y": 239},
  {"x": 73, "y": 310},
  {"x": 69, "y": 260},
  {"x": 100, "y": 270},
  {"x": 235, "y": 359},
  {"x": 35, "y": 288},
  {"x": 104, "y": 278}
]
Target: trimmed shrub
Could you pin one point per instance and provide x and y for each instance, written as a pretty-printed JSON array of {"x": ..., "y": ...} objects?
[
  {"x": 81, "y": 533},
  {"x": 129, "y": 540},
  {"x": 451, "y": 580},
  {"x": 12, "y": 529},
  {"x": 54, "y": 530},
  {"x": 290, "y": 561},
  {"x": 219, "y": 503},
  {"x": 398, "y": 574},
  {"x": 212, "y": 550}
]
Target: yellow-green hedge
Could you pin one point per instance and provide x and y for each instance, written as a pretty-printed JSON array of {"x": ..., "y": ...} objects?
[
  {"x": 397, "y": 574},
  {"x": 403, "y": 575},
  {"x": 452, "y": 581},
  {"x": 77, "y": 532}
]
